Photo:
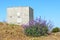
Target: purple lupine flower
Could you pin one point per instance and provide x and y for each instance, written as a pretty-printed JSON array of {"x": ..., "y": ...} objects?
[
  {"x": 38, "y": 22},
  {"x": 39, "y": 19},
  {"x": 44, "y": 22},
  {"x": 50, "y": 26}
]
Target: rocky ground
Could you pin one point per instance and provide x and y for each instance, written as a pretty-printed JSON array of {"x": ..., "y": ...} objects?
[{"x": 15, "y": 32}]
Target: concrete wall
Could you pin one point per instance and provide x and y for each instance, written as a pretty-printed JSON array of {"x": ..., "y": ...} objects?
[{"x": 19, "y": 15}]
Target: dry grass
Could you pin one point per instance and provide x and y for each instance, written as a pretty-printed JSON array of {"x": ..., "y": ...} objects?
[{"x": 8, "y": 32}]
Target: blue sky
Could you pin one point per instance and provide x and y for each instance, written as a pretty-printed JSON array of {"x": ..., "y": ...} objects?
[{"x": 48, "y": 9}]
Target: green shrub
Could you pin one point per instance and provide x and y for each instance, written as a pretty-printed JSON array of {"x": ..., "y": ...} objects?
[
  {"x": 37, "y": 28},
  {"x": 56, "y": 29},
  {"x": 32, "y": 31},
  {"x": 36, "y": 31}
]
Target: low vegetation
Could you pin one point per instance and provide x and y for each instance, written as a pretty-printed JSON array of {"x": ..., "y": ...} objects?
[
  {"x": 36, "y": 28},
  {"x": 56, "y": 29}
]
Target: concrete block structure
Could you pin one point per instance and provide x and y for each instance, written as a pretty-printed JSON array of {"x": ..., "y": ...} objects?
[{"x": 19, "y": 15}]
